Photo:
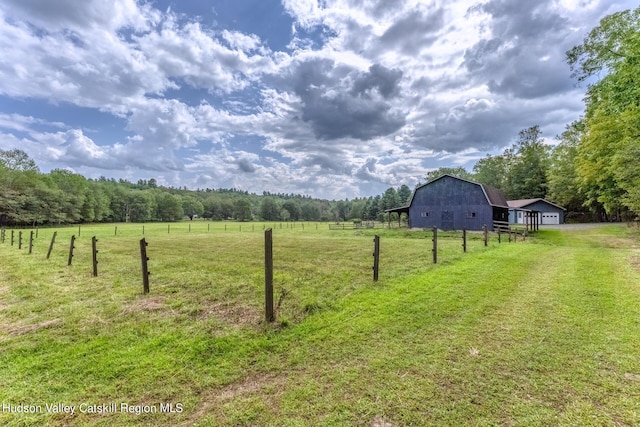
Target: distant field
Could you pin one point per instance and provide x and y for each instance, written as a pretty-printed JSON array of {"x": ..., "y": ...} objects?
[{"x": 542, "y": 332}]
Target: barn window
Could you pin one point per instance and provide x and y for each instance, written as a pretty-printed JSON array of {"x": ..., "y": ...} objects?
[
  {"x": 471, "y": 214},
  {"x": 424, "y": 214}
]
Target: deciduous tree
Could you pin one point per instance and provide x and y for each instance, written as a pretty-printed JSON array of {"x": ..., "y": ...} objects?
[
  {"x": 269, "y": 209},
  {"x": 610, "y": 142},
  {"x": 192, "y": 207},
  {"x": 242, "y": 210},
  {"x": 528, "y": 174},
  {"x": 459, "y": 172}
]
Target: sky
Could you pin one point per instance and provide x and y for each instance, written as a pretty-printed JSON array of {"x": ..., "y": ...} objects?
[{"x": 328, "y": 98}]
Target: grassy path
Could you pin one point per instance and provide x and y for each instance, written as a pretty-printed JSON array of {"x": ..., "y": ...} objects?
[
  {"x": 538, "y": 334},
  {"x": 541, "y": 334}
]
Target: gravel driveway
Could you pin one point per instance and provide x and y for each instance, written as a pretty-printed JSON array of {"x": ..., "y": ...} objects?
[{"x": 582, "y": 226}]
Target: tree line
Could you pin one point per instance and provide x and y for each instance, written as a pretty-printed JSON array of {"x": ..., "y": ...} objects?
[{"x": 29, "y": 197}]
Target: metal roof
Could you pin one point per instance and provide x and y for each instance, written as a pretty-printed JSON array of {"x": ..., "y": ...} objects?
[
  {"x": 526, "y": 202},
  {"x": 494, "y": 196}
]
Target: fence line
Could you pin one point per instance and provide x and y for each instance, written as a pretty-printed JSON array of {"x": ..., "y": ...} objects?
[{"x": 270, "y": 314}]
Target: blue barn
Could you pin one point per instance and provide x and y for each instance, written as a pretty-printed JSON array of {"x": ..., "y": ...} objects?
[{"x": 452, "y": 203}]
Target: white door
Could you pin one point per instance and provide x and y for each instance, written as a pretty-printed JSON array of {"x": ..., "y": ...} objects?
[{"x": 550, "y": 218}]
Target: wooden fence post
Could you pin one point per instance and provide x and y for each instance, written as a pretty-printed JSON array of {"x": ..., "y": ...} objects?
[
  {"x": 464, "y": 240},
  {"x": 485, "y": 234},
  {"x": 53, "y": 239},
  {"x": 71, "y": 246},
  {"x": 376, "y": 257},
  {"x": 31, "y": 242},
  {"x": 268, "y": 276},
  {"x": 168, "y": 228},
  {"x": 499, "y": 237},
  {"x": 12, "y": 238},
  {"x": 20, "y": 239},
  {"x": 145, "y": 268},
  {"x": 78, "y": 231},
  {"x": 94, "y": 251},
  {"x": 115, "y": 232},
  {"x": 36, "y": 231},
  {"x": 2, "y": 231},
  {"x": 435, "y": 244},
  {"x": 189, "y": 228}
]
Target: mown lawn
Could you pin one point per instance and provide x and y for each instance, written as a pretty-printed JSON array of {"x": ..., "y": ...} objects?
[{"x": 543, "y": 332}]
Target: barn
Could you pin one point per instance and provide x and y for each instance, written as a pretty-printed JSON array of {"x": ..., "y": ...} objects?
[
  {"x": 452, "y": 203},
  {"x": 545, "y": 211}
]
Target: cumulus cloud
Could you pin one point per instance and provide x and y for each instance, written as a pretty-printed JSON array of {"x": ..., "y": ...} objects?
[
  {"x": 339, "y": 101},
  {"x": 79, "y": 151},
  {"x": 80, "y": 148},
  {"x": 380, "y": 79},
  {"x": 414, "y": 32},
  {"x": 246, "y": 166},
  {"x": 523, "y": 55},
  {"x": 85, "y": 16},
  {"x": 108, "y": 58}
]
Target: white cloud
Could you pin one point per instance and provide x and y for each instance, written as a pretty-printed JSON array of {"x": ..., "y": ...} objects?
[
  {"x": 86, "y": 16},
  {"x": 18, "y": 122}
]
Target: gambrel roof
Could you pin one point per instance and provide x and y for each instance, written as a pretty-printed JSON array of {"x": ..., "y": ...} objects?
[{"x": 494, "y": 196}]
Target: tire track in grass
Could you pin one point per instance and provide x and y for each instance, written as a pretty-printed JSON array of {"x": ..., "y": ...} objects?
[
  {"x": 505, "y": 356},
  {"x": 384, "y": 351},
  {"x": 547, "y": 357},
  {"x": 480, "y": 368},
  {"x": 375, "y": 355}
]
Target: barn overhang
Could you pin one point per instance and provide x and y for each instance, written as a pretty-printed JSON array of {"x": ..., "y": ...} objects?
[{"x": 400, "y": 210}]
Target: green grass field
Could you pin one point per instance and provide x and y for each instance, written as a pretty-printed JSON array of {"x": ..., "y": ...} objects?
[{"x": 542, "y": 332}]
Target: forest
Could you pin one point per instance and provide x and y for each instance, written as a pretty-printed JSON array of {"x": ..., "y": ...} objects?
[
  {"x": 29, "y": 197},
  {"x": 592, "y": 169}
]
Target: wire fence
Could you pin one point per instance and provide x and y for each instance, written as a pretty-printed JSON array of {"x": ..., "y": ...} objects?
[{"x": 312, "y": 266}]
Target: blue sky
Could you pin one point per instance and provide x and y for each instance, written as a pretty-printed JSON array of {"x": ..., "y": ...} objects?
[{"x": 327, "y": 98}]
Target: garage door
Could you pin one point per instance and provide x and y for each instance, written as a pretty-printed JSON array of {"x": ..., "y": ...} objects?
[{"x": 550, "y": 218}]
